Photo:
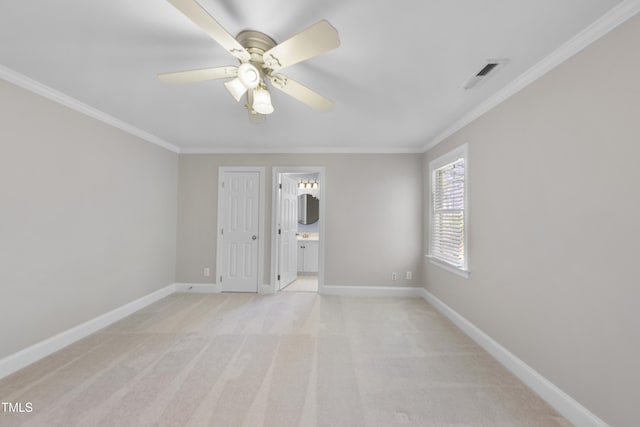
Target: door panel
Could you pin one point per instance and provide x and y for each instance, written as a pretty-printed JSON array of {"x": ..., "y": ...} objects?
[
  {"x": 239, "y": 249},
  {"x": 288, "y": 256}
]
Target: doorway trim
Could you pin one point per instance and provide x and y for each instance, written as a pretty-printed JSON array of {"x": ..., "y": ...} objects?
[
  {"x": 261, "y": 288},
  {"x": 275, "y": 213}
]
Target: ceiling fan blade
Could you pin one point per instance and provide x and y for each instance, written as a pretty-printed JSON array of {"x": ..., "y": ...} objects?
[
  {"x": 199, "y": 75},
  {"x": 301, "y": 92},
  {"x": 192, "y": 10},
  {"x": 319, "y": 38}
]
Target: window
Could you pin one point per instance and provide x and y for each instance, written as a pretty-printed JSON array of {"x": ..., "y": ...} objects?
[{"x": 448, "y": 236}]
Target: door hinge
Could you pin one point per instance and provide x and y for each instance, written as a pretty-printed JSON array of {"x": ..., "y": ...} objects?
[
  {"x": 280, "y": 186},
  {"x": 279, "y": 231},
  {"x": 222, "y": 185},
  {"x": 220, "y": 279},
  {"x": 278, "y": 277},
  {"x": 222, "y": 231}
]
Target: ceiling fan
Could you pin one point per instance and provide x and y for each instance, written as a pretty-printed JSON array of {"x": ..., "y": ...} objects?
[{"x": 260, "y": 58}]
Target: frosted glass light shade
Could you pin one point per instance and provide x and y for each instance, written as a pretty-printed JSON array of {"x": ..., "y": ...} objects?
[
  {"x": 262, "y": 101},
  {"x": 249, "y": 75},
  {"x": 236, "y": 88}
]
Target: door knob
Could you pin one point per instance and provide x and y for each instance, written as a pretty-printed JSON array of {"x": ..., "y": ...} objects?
[{"x": 254, "y": 237}]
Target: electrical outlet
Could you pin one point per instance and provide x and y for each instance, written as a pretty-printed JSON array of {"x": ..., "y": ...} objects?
[
  {"x": 207, "y": 272},
  {"x": 394, "y": 276},
  {"x": 409, "y": 275}
]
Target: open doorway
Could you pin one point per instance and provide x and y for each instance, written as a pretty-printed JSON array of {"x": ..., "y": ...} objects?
[{"x": 297, "y": 261}]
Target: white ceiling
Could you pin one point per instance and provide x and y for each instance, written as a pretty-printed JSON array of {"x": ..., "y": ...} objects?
[{"x": 396, "y": 78}]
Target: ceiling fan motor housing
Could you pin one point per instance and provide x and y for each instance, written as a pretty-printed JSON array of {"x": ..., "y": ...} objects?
[{"x": 256, "y": 43}]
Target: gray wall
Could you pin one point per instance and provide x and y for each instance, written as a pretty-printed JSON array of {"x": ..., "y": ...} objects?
[
  {"x": 373, "y": 214},
  {"x": 554, "y": 230},
  {"x": 87, "y": 218}
]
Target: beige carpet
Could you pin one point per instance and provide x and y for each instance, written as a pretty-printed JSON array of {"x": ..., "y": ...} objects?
[{"x": 292, "y": 359}]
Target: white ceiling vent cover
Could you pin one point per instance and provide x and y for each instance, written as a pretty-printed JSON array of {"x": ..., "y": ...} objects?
[{"x": 486, "y": 70}]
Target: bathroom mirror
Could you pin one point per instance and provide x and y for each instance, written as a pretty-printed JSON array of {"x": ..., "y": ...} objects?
[{"x": 308, "y": 209}]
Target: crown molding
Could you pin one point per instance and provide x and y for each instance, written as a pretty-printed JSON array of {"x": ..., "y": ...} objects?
[
  {"x": 302, "y": 150},
  {"x": 38, "y": 88},
  {"x": 612, "y": 19}
]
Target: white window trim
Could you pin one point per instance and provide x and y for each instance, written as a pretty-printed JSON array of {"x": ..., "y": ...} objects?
[
  {"x": 442, "y": 264},
  {"x": 459, "y": 152}
]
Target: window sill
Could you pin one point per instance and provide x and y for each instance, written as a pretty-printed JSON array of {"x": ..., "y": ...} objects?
[{"x": 455, "y": 270}]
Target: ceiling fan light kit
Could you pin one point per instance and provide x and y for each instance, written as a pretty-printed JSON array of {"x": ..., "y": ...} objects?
[
  {"x": 236, "y": 88},
  {"x": 249, "y": 75},
  {"x": 259, "y": 56},
  {"x": 262, "y": 101}
]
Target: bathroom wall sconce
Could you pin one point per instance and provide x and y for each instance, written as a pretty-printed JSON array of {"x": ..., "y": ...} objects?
[{"x": 308, "y": 184}]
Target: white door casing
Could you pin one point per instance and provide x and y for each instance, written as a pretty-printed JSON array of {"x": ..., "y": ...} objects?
[
  {"x": 277, "y": 171},
  {"x": 239, "y": 207},
  {"x": 287, "y": 228}
]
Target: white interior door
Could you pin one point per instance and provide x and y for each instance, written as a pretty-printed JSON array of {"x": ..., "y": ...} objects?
[
  {"x": 240, "y": 210},
  {"x": 288, "y": 226}
]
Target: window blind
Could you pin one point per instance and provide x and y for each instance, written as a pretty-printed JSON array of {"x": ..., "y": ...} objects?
[{"x": 447, "y": 223}]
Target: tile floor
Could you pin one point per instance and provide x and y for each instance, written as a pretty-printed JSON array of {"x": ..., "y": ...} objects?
[{"x": 303, "y": 284}]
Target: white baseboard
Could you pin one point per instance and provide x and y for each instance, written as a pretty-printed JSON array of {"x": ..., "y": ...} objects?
[
  {"x": 213, "y": 288},
  {"x": 372, "y": 291},
  {"x": 568, "y": 407},
  {"x": 198, "y": 288},
  {"x": 559, "y": 400},
  {"x": 29, "y": 355}
]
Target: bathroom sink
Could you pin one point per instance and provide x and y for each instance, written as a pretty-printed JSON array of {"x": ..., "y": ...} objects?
[{"x": 308, "y": 236}]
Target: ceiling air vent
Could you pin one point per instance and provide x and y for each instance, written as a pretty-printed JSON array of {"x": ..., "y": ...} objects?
[{"x": 488, "y": 68}]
